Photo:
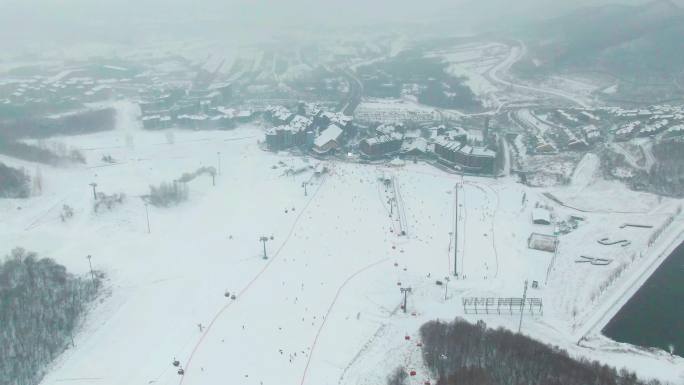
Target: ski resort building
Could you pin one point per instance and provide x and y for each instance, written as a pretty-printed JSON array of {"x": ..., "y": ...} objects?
[
  {"x": 297, "y": 133},
  {"x": 284, "y": 137},
  {"x": 415, "y": 147},
  {"x": 470, "y": 159},
  {"x": 326, "y": 118},
  {"x": 382, "y": 145},
  {"x": 447, "y": 149},
  {"x": 328, "y": 140},
  {"x": 278, "y": 115},
  {"x": 541, "y": 216}
]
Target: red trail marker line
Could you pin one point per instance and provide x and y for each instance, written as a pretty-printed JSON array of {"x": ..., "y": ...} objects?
[{"x": 249, "y": 284}]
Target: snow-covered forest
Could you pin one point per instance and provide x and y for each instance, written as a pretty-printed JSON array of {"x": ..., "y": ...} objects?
[
  {"x": 459, "y": 352},
  {"x": 41, "y": 305}
]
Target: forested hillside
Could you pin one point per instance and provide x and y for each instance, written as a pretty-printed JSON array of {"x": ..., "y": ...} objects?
[
  {"x": 70, "y": 124},
  {"x": 641, "y": 43},
  {"x": 667, "y": 175},
  {"x": 41, "y": 304}
]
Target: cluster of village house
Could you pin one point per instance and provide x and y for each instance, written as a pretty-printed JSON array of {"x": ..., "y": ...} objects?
[
  {"x": 622, "y": 124},
  {"x": 321, "y": 132},
  {"x": 57, "y": 90},
  {"x": 661, "y": 119},
  {"x": 195, "y": 109}
]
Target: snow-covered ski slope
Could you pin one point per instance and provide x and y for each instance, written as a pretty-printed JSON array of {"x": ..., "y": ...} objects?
[{"x": 324, "y": 307}]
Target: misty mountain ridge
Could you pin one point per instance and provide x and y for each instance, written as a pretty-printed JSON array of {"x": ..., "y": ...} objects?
[{"x": 630, "y": 42}]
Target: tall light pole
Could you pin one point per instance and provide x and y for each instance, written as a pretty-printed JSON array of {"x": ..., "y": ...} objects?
[
  {"x": 405, "y": 291},
  {"x": 522, "y": 307},
  {"x": 446, "y": 286},
  {"x": 93, "y": 185},
  {"x": 304, "y": 185},
  {"x": 147, "y": 215}
]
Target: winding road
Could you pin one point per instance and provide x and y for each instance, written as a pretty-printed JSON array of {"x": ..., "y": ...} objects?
[{"x": 515, "y": 55}]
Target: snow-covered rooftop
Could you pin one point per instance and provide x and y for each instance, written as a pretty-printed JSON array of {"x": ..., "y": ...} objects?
[{"x": 332, "y": 133}]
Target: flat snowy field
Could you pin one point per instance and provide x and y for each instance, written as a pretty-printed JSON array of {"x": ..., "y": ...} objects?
[{"x": 324, "y": 308}]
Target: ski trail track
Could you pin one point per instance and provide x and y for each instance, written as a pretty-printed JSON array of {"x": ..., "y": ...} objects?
[{"x": 249, "y": 284}]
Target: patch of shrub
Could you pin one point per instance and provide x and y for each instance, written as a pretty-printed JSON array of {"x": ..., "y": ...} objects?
[{"x": 14, "y": 183}]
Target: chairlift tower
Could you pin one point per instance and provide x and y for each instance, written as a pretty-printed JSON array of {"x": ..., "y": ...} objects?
[
  {"x": 264, "y": 239},
  {"x": 405, "y": 291},
  {"x": 94, "y": 185},
  {"x": 92, "y": 273}
]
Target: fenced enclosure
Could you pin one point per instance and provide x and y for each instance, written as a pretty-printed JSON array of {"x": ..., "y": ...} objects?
[{"x": 501, "y": 305}]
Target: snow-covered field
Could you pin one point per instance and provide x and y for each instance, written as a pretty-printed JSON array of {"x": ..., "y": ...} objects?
[{"x": 324, "y": 307}]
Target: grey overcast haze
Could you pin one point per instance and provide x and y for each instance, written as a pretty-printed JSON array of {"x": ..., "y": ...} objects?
[{"x": 53, "y": 23}]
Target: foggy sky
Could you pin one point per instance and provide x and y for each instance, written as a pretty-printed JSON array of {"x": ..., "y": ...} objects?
[{"x": 54, "y": 22}]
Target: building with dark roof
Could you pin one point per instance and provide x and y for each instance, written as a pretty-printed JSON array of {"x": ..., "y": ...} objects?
[{"x": 478, "y": 160}]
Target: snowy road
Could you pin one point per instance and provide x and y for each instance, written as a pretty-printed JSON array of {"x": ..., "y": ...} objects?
[{"x": 517, "y": 53}]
